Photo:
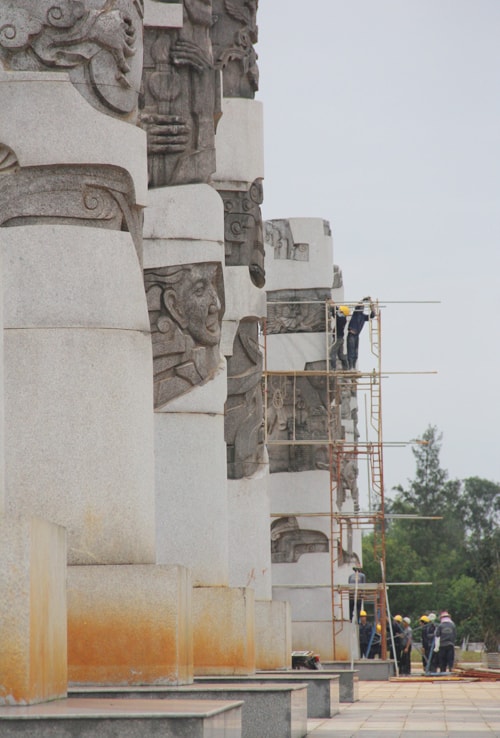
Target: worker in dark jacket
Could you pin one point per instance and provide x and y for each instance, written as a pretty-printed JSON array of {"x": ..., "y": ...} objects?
[
  {"x": 356, "y": 324},
  {"x": 365, "y": 634},
  {"x": 444, "y": 642},
  {"x": 340, "y": 314}
]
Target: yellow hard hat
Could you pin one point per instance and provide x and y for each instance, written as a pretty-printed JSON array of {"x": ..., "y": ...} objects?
[
  {"x": 362, "y": 614},
  {"x": 424, "y": 619},
  {"x": 379, "y": 628},
  {"x": 398, "y": 618},
  {"x": 344, "y": 309}
]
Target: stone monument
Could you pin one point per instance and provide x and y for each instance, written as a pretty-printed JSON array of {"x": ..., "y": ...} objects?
[
  {"x": 78, "y": 371},
  {"x": 308, "y": 410},
  {"x": 238, "y": 179},
  {"x": 185, "y": 286}
]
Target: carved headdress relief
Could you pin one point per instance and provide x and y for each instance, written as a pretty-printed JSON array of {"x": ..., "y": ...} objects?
[{"x": 98, "y": 42}]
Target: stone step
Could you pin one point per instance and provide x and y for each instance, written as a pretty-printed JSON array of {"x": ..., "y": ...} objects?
[
  {"x": 323, "y": 690},
  {"x": 80, "y": 717},
  {"x": 269, "y": 710}
]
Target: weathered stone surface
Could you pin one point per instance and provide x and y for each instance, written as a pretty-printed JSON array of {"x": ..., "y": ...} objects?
[
  {"x": 185, "y": 304},
  {"x": 243, "y": 230},
  {"x": 289, "y": 542},
  {"x": 78, "y": 389},
  {"x": 33, "y": 637},
  {"x": 98, "y": 42},
  {"x": 234, "y": 33},
  {"x": 244, "y": 431},
  {"x": 148, "y": 608},
  {"x": 181, "y": 99}
]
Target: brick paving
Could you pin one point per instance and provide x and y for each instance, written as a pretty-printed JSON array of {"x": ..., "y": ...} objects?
[{"x": 436, "y": 709}]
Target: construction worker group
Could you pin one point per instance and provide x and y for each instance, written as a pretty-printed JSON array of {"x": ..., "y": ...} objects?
[{"x": 437, "y": 641}]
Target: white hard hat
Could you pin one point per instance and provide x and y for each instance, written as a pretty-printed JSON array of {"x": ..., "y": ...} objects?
[{"x": 406, "y": 620}]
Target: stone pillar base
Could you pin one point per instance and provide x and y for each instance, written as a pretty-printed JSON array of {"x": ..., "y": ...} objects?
[
  {"x": 273, "y": 635},
  {"x": 223, "y": 631},
  {"x": 33, "y": 663},
  {"x": 129, "y": 625}
]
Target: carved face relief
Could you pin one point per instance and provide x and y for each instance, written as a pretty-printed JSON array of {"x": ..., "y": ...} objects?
[
  {"x": 99, "y": 42},
  {"x": 195, "y": 304},
  {"x": 185, "y": 306}
]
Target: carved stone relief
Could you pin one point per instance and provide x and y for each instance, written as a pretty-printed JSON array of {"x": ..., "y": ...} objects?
[
  {"x": 278, "y": 235},
  {"x": 338, "y": 280},
  {"x": 179, "y": 104},
  {"x": 297, "y": 410},
  {"x": 297, "y": 311},
  {"x": 243, "y": 230},
  {"x": 234, "y": 34},
  {"x": 185, "y": 306},
  {"x": 8, "y": 160},
  {"x": 244, "y": 417},
  {"x": 96, "y": 196},
  {"x": 289, "y": 542},
  {"x": 98, "y": 42}
]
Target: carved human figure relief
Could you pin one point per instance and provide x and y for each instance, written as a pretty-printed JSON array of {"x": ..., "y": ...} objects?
[
  {"x": 243, "y": 230},
  {"x": 98, "y": 42},
  {"x": 244, "y": 415},
  {"x": 234, "y": 33},
  {"x": 297, "y": 410},
  {"x": 186, "y": 305},
  {"x": 297, "y": 311},
  {"x": 179, "y": 104}
]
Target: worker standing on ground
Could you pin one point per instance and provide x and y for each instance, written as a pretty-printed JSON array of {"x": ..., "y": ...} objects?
[
  {"x": 444, "y": 643},
  {"x": 426, "y": 644},
  {"x": 339, "y": 313},
  {"x": 406, "y": 642},
  {"x": 397, "y": 631},
  {"x": 356, "y": 324},
  {"x": 365, "y": 634},
  {"x": 431, "y": 634}
]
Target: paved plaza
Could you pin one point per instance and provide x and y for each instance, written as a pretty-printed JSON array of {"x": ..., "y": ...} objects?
[{"x": 416, "y": 709}]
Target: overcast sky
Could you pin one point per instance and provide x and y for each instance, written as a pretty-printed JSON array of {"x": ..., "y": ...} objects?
[{"x": 383, "y": 117}]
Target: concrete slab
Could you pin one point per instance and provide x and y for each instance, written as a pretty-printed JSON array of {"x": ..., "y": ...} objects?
[
  {"x": 268, "y": 710},
  {"x": 368, "y": 669},
  {"x": 131, "y": 718}
]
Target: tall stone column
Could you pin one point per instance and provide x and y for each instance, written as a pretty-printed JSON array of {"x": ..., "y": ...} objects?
[
  {"x": 78, "y": 370},
  {"x": 238, "y": 179},
  {"x": 185, "y": 287},
  {"x": 306, "y": 412}
]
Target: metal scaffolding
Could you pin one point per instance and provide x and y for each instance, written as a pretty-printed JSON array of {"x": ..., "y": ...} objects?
[{"x": 282, "y": 390}]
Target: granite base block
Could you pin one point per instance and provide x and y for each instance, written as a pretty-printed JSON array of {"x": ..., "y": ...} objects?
[
  {"x": 323, "y": 690},
  {"x": 131, "y": 718},
  {"x": 268, "y": 710}
]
